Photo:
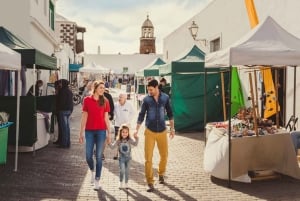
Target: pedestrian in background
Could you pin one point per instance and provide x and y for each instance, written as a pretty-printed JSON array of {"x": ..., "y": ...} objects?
[
  {"x": 87, "y": 90},
  {"x": 65, "y": 109},
  {"x": 124, "y": 142},
  {"x": 111, "y": 112},
  {"x": 124, "y": 113},
  {"x": 154, "y": 106},
  {"x": 95, "y": 124}
]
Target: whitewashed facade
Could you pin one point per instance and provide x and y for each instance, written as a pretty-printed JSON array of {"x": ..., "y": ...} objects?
[
  {"x": 228, "y": 21},
  {"x": 32, "y": 20}
]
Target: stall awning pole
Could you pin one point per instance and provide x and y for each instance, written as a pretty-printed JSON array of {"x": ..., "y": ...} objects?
[
  {"x": 229, "y": 130},
  {"x": 294, "y": 103},
  {"x": 18, "y": 120},
  {"x": 223, "y": 96},
  {"x": 205, "y": 104}
]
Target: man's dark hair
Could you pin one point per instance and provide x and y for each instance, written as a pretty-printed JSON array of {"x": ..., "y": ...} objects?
[
  {"x": 153, "y": 83},
  {"x": 163, "y": 80}
]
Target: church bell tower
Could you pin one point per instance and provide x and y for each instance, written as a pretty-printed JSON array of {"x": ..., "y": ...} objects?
[{"x": 147, "y": 40}]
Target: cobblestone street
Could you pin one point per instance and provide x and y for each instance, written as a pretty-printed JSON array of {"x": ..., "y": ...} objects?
[{"x": 62, "y": 174}]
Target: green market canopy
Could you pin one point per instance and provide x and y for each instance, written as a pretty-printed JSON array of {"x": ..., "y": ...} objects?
[
  {"x": 151, "y": 70},
  {"x": 29, "y": 55},
  {"x": 188, "y": 91}
]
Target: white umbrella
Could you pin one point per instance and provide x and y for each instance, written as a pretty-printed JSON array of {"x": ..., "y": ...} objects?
[{"x": 94, "y": 68}]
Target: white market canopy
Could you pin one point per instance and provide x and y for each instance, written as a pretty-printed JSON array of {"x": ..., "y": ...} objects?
[
  {"x": 94, "y": 68},
  {"x": 267, "y": 44},
  {"x": 9, "y": 59}
]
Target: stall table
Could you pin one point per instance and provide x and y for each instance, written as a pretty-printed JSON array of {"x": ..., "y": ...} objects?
[{"x": 267, "y": 152}]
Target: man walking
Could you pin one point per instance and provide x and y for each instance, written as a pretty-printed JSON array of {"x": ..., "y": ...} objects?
[{"x": 154, "y": 106}]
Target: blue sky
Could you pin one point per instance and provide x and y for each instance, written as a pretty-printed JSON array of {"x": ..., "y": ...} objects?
[{"x": 115, "y": 25}]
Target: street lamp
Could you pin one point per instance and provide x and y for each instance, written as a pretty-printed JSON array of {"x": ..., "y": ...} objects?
[{"x": 194, "y": 30}]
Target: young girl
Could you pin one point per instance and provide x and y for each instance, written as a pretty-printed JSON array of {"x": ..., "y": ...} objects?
[{"x": 124, "y": 142}]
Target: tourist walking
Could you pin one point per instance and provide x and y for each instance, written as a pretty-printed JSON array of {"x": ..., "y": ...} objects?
[
  {"x": 95, "y": 124},
  {"x": 154, "y": 106},
  {"x": 110, "y": 113}
]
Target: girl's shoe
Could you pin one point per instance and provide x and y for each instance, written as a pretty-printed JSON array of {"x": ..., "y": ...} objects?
[{"x": 120, "y": 185}]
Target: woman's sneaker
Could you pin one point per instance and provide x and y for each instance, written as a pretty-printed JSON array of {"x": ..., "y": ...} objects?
[{"x": 97, "y": 186}]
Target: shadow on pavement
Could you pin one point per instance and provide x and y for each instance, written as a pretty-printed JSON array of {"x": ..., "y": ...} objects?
[
  {"x": 182, "y": 194},
  {"x": 103, "y": 195},
  {"x": 192, "y": 135},
  {"x": 285, "y": 188},
  {"x": 134, "y": 195},
  {"x": 53, "y": 173}
]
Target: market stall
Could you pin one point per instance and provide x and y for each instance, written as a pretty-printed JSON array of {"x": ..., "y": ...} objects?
[
  {"x": 35, "y": 59},
  {"x": 266, "y": 45},
  {"x": 11, "y": 60},
  {"x": 248, "y": 154},
  {"x": 151, "y": 70},
  {"x": 187, "y": 75}
]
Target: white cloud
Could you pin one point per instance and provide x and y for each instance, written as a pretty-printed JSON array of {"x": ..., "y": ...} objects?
[{"x": 118, "y": 30}]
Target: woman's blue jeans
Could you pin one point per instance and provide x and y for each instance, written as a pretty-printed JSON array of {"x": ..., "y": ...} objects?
[{"x": 97, "y": 137}]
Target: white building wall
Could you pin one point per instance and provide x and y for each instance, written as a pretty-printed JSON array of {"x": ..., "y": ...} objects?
[
  {"x": 42, "y": 36},
  {"x": 15, "y": 18},
  {"x": 225, "y": 19},
  {"x": 229, "y": 20},
  {"x": 64, "y": 57},
  {"x": 29, "y": 20}
]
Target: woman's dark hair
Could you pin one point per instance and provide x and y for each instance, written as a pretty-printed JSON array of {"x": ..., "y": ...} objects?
[
  {"x": 96, "y": 84},
  {"x": 153, "y": 83}
]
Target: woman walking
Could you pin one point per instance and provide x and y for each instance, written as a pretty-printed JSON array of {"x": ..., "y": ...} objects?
[{"x": 95, "y": 125}]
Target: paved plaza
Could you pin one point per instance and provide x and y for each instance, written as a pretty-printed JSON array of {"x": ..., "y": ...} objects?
[{"x": 62, "y": 174}]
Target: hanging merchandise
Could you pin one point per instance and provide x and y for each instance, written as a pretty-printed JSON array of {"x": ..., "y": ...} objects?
[{"x": 270, "y": 94}]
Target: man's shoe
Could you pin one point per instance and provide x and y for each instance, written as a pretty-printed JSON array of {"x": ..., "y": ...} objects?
[
  {"x": 126, "y": 185},
  {"x": 103, "y": 157},
  {"x": 115, "y": 157},
  {"x": 56, "y": 142},
  {"x": 150, "y": 188},
  {"x": 161, "y": 179}
]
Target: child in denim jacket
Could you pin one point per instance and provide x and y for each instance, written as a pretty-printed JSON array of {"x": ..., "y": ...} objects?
[{"x": 124, "y": 142}]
